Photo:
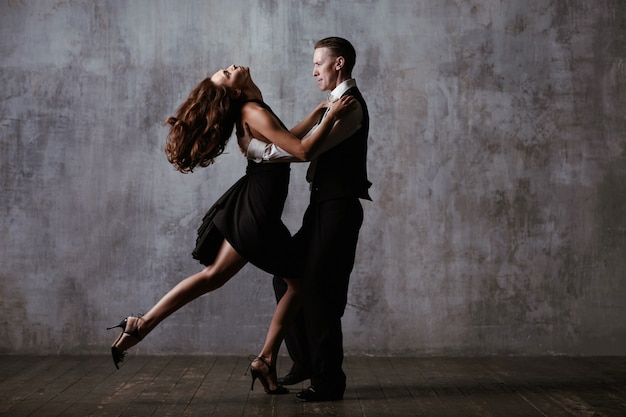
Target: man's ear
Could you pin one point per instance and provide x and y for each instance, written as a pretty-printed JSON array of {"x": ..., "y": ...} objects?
[{"x": 339, "y": 62}]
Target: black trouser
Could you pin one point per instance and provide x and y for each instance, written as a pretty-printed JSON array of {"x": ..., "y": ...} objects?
[{"x": 328, "y": 237}]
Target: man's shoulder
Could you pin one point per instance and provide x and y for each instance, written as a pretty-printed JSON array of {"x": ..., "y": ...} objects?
[
  {"x": 352, "y": 91},
  {"x": 355, "y": 92}
]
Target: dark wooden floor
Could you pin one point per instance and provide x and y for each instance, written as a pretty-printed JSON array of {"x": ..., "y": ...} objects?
[{"x": 378, "y": 387}]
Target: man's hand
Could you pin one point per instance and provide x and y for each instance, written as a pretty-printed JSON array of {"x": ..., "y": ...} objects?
[{"x": 244, "y": 138}]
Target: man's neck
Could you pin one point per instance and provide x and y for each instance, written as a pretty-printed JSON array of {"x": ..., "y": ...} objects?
[
  {"x": 341, "y": 88},
  {"x": 340, "y": 79}
]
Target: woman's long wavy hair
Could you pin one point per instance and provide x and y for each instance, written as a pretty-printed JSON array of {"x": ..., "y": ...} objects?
[{"x": 201, "y": 127}]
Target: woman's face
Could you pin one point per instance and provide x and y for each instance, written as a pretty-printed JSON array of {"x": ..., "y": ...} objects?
[{"x": 235, "y": 77}]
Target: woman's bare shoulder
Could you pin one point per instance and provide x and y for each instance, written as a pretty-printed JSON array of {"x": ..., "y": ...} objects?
[
  {"x": 252, "y": 106},
  {"x": 254, "y": 109}
]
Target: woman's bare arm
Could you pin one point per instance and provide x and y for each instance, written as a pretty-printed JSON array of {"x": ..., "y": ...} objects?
[
  {"x": 308, "y": 122},
  {"x": 265, "y": 126}
]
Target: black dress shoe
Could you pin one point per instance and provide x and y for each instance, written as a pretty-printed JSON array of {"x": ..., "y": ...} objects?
[
  {"x": 292, "y": 379},
  {"x": 312, "y": 394}
]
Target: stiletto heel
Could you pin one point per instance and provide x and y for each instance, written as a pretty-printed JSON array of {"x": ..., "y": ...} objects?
[
  {"x": 271, "y": 369},
  {"x": 122, "y": 324},
  {"x": 254, "y": 375},
  {"x": 119, "y": 354}
]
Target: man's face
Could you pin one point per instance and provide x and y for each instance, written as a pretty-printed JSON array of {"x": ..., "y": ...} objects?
[{"x": 325, "y": 69}]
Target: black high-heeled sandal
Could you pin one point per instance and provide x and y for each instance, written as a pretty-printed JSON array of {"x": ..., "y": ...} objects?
[
  {"x": 271, "y": 369},
  {"x": 118, "y": 355}
]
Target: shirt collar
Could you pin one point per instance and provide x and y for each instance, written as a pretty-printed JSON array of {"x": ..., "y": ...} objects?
[{"x": 341, "y": 89}]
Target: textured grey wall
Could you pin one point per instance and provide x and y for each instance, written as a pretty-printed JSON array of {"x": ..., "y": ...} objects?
[{"x": 497, "y": 154}]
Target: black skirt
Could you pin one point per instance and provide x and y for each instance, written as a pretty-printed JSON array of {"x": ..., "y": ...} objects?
[{"x": 248, "y": 216}]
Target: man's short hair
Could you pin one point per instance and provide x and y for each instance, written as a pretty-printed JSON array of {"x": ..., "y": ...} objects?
[{"x": 340, "y": 47}]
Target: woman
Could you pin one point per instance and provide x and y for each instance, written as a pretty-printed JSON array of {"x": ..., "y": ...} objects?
[{"x": 247, "y": 216}]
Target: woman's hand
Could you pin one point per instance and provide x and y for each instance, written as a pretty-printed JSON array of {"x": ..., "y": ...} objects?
[
  {"x": 341, "y": 106},
  {"x": 321, "y": 107}
]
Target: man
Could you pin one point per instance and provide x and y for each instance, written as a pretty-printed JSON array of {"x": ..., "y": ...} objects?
[{"x": 330, "y": 227}]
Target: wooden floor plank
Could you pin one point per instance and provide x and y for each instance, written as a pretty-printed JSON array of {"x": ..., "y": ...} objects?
[
  {"x": 148, "y": 388},
  {"x": 476, "y": 381},
  {"x": 444, "y": 378},
  {"x": 588, "y": 388},
  {"x": 162, "y": 386},
  {"x": 42, "y": 387},
  {"x": 531, "y": 384},
  {"x": 236, "y": 393},
  {"x": 397, "y": 395},
  {"x": 127, "y": 384},
  {"x": 427, "y": 401},
  {"x": 192, "y": 372},
  {"x": 209, "y": 393},
  {"x": 18, "y": 374},
  {"x": 152, "y": 397},
  {"x": 74, "y": 385},
  {"x": 18, "y": 368},
  {"x": 370, "y": 394},
  {"x": 613, "y": 374}
]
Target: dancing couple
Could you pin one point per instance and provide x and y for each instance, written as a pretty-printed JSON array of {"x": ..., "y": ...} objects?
[{"x": 244, "y": 225}]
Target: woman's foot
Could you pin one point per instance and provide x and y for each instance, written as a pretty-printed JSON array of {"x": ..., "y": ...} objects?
[
  {"x": 266, "y": 373},
  {"x": 131, "y": 335}
]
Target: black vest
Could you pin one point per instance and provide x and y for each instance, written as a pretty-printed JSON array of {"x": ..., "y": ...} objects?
[{"x": 342, "y": 170}]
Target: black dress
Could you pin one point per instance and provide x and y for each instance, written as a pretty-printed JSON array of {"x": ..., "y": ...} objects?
[{"x": 248, "y": 216}]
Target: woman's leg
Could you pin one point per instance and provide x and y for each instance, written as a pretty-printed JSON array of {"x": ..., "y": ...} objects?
[
  {"x": 284, "y": 314},
  {"x": 227, "y": 263}
]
